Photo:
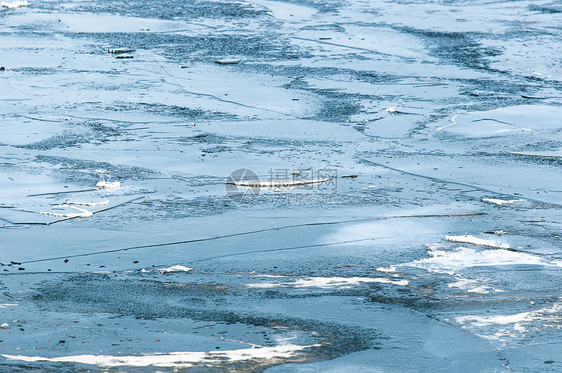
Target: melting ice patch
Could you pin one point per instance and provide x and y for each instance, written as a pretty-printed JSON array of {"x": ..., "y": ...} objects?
[
  {"x": 501, "y": 327},
  {"x": 176, "y": 360},
  {"x": 477, "y": 241},
  {"x": 328, "y": 282},
  {"x": 451, "y": 261},
  {"x": 472, "y": 286}
]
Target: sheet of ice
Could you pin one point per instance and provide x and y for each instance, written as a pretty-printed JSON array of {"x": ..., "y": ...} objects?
[
  {"x": 176, "y": 360},
  {"x": 174, "y": 269},
  {"x": 328, "y": 282},
  {"x": 285, "y": 11},
  {"x": 521, "y": 120},
  {"x": 477, "y": 241}
]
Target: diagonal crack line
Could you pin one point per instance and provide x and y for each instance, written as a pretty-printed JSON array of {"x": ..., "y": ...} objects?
[
  {"x": 205, "y": 239},
  {"x": 227, "y": 240}
]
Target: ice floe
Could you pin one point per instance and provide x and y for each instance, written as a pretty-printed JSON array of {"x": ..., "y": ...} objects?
[{"x": 328, "y": 282}]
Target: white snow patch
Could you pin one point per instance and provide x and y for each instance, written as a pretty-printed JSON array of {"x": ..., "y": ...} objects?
[
  {"x": 502, "y": 327},
  {"x": 501, "y": 201},
  {"x": 472, "y": 286},
  {"x": 176, "y": 360},
  {"x": 4, "y": 305},
  {"x": 386, "y": 269},
  {"x": 175, "y": 268},
  {"x": 13, "y": 4},
  {"x": 328, "y": 282},
  {"x": 108, "y": 185},
  {"x": 477, "y": 241},
  {"x": 444, "y": 261}
]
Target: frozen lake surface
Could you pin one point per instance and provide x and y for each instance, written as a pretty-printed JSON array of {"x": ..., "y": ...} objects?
[{"x": 399, "y": 205}]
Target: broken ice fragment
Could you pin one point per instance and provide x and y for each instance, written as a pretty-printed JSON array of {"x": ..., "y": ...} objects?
[
  {"x": 120, "y": 50},
  {"x": 175, "y": 268},
  {"x": 227, "y": 62},
  {"x": 108, "y": 185}
]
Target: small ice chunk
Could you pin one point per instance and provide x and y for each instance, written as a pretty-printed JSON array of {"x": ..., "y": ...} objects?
[
  {"x": 391, "y": 109},
  {"x": 175, "y": 268},
  {"x": 13, "y": 4},
  {"x": 108, "y": 184}
]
